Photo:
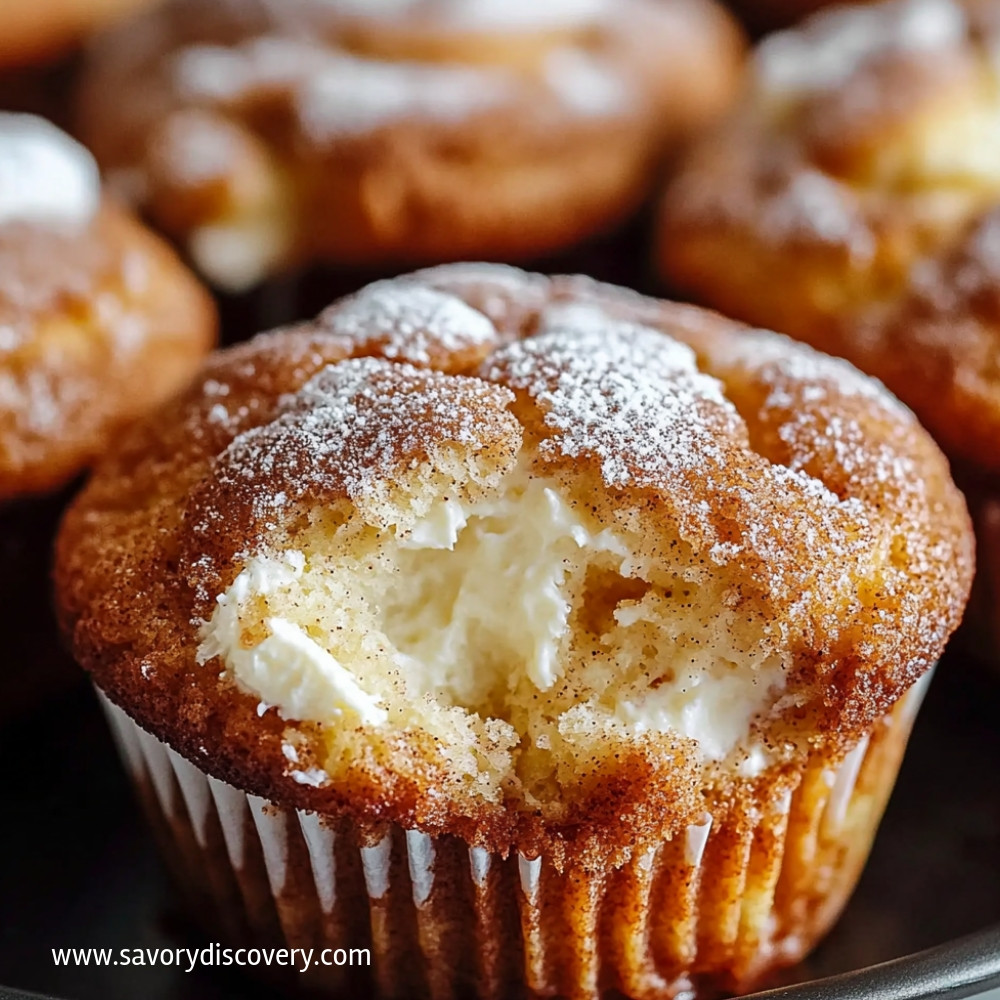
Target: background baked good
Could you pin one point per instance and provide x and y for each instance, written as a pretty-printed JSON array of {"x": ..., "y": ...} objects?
[
  {"x": 99, "y": 321},
  {"x": 264, "y": 137},
  {"x": 852, "y": 201}
]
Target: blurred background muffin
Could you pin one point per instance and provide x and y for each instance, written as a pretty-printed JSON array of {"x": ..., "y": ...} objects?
[
  {"x": 853, "y": 201},
  {"x": 99, "y": 320},
  {"x": 537, "y": 636},
  {"x": 265, "y": 138}
]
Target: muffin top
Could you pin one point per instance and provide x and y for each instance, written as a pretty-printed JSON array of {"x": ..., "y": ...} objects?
[
  {"x": 530, "y": 560},
  {"x": 230, "y": 121},
  {"x": 863, "y": 164},
  {"x": 98, "y": 319}
]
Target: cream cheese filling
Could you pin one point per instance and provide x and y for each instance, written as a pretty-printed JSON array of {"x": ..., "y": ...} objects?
[
  {"x": 500, "y": 586},
  {"x": 287, "y": 669},
  {"x": 487, "y": 607}
]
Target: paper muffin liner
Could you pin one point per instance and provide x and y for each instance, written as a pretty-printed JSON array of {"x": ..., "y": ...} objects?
[{"x": 719, "y": 906}]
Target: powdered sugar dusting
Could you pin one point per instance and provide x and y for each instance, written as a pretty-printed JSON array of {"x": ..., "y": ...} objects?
[
  {"x": 472, "y": 273},
  {"x": 834, "y": 44},
  {"x": 586, "y": 84},
  {"x": 621, "y": 393},
  {"x": 358, "y": 422},
  {"x": 351, "y": 96},
  {"x": 197, "y": 148},
  {"x": 224, "y": 74},
  {"x": 409, "y": 322},
  {"x": 335, "y": 93},
  {"x": 596, "y": 393},
  {"x": 797, "y": 373},
  {"x": 819, "y": 208}
]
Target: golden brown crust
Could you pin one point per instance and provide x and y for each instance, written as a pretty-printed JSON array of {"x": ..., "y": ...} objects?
[
  {"x": 852, "y": 202},
  {"x": 365, "y": 139},
  {"x": 31, "y": 32},
  {"x": 99, "y": 324},
  {"x": 833, "y": 508}
]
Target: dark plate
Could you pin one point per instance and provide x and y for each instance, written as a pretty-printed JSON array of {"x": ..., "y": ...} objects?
[{"x": 77, "y": 869}]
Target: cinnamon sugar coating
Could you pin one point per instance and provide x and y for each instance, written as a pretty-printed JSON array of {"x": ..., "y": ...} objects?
[
  {"x": 267, "y": 136},
  {"x": 852, "y": 202},
  {"x": 97, "y": 324},
  {"x": 764, "y": 495}
]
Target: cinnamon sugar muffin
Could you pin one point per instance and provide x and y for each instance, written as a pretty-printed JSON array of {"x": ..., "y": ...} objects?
[
  {"x": 535, "y": 635},
  {"x": 853, "y": 201},
  {"x": 264, "y": 137},
  {"x": 98, "y": 322}
]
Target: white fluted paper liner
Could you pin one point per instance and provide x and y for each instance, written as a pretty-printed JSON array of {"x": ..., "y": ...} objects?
[{"x": 727, "y": 900}]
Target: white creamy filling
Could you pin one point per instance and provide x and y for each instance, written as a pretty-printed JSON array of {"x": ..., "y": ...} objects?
[
  {"x": 960, "y": 148},
  {"x": 499, "y": 588},
  {"x": 709, "y": 699},
  {"x": 45, "y": 176},
  {"x": 470, "y": 604},
  {"x": 287, "y": 670}
]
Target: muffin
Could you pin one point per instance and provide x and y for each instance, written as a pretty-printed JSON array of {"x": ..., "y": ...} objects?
[
  {"x": 268, "y": 137},
  {"x": 98, "y": 322},
  {"x": 534, "y": 635},
  {"x": 860, "y": 168}
]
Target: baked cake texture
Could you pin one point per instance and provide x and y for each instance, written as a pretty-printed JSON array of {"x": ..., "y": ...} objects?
[
  {"x": 265, "y": 137},
  {"x": 605, "y": 613}
]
